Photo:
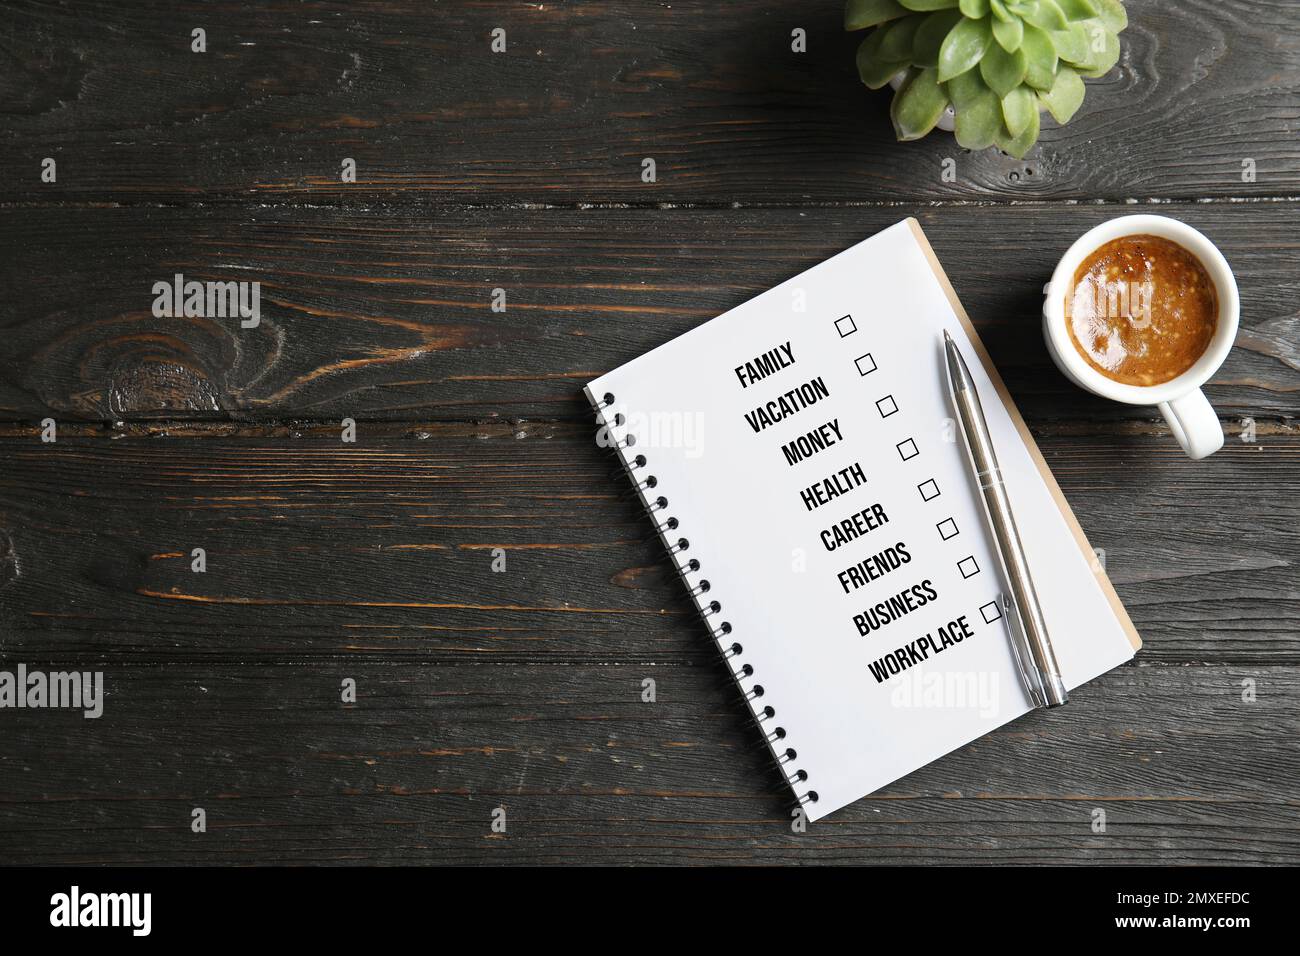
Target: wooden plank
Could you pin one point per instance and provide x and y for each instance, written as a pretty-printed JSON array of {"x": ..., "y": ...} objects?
[
  {"x": 382, "y": 551},
  {"x": 585, "y": 92},
  {"x": 387, "y": 313},
  {"x": 1182, "y": 768},
  {"x": 522, "y": 689}
]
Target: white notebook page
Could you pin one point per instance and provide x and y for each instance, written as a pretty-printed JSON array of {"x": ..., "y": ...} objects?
[{"x": 852, "y": 493}]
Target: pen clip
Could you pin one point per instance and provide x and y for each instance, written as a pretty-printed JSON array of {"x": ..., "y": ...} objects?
[{"x": 1019, "y": 641}]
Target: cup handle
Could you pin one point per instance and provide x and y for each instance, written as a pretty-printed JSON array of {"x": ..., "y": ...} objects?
[{"x": 1195, "y": 424}]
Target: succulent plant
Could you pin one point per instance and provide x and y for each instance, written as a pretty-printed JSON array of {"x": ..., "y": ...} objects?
[{"x": 997, "y": 63}]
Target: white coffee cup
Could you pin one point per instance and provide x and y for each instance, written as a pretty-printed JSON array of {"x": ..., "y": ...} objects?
[{"x": 1194, "y": 422}]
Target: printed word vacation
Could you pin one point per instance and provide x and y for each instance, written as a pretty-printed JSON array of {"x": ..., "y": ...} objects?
[{"x": 783, "y": 406}]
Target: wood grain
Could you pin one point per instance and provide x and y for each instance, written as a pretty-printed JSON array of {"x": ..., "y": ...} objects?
[
  {"x": 1183, "y": 769},
  {"x": 522, "y": 689},
  {"x": 585, "y": 92},
  {"x": 387, "y": 313},
  {"x": 382, "y": 551}
]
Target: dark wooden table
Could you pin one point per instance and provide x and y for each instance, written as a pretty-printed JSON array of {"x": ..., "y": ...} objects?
[{"x": 372, "y": 560}]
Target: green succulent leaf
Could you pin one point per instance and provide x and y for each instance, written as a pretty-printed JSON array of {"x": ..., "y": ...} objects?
[
  {"x": 1009, "y": 34},
  {"x": 979, "y": 120},
  {"x": 1072, "y": 44},
  {"x": 1094, "y": 48},
  {"x": 966, "y": 87},
  {"x": 999, "y": 63},
  {"x": 1017, "y": 108},
  {"x": 1040, "y": 59},
  {"x": 896, "y": 44},
  {"x": 879, "y": 73},
  {"x": 872, "y": 70},
  {"x": 860, "y": 14},
  {"x": 1077, "y": 9},
  {"x": 1099, "y": 63},
  {"x": 918, "y": 105},
  {"x": 1063, "y": 100},
  {"x": 1045, "y": 14},
  {"x": 1019, "y": 145},
  {"x": 964, "y": 47},
  {"x": 1112, "y": 14},
  {"x": 930, "y": 36},
  {"x": 1003, "y": 71}
]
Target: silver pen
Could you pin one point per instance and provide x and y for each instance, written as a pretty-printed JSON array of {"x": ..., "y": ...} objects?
[{"x": 1026, "y": 628}]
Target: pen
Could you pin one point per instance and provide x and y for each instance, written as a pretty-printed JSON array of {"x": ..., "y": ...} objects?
[{"x": 1026, "y": 628}]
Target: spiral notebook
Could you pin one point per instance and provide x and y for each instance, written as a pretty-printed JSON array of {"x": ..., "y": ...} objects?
[{"x": 798, "y": 457}]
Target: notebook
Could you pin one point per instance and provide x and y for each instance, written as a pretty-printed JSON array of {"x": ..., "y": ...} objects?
[{"x": 799, "y": 458}]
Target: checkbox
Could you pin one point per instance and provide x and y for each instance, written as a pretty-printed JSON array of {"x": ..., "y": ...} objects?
[
  {"x": 887, "y": 406},
  {"x": 865, "y": 363},
  {"x": 968, "y": 567},
  {"x": 947, "y": 529},
  {"x": 907, "y": 449},
  {"x": 991, "y": 612},
  {"x": 928, "y": 489},
  {"x": 845, "y": 326}
]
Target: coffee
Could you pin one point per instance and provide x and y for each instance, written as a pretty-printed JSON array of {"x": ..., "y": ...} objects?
[{"x": 1141, "y": 310}]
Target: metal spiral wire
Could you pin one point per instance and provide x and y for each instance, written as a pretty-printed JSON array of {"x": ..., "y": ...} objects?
[{"x": 645, "y": 487}]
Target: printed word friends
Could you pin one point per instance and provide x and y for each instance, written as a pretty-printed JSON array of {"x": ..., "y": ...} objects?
[{"x": 875, "y": 567}]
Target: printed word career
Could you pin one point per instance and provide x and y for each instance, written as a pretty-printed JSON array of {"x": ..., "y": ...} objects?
[
  {"x": 828, "y": 489},
  {"x": 904, "y": 602},
  {"x": 921, "y": 649},
  {"x": 782, "y": 407},
  {"x": 850, "y": 529},
  {"x": 769, "y": 363},
  {"x": 817, "y": 440}
]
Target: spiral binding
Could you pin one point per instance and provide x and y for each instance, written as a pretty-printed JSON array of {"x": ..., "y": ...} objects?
[{"x": 653, "y": 502}]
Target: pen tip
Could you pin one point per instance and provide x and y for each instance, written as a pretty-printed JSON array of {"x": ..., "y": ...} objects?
[{"x": 958, "y": 376}]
